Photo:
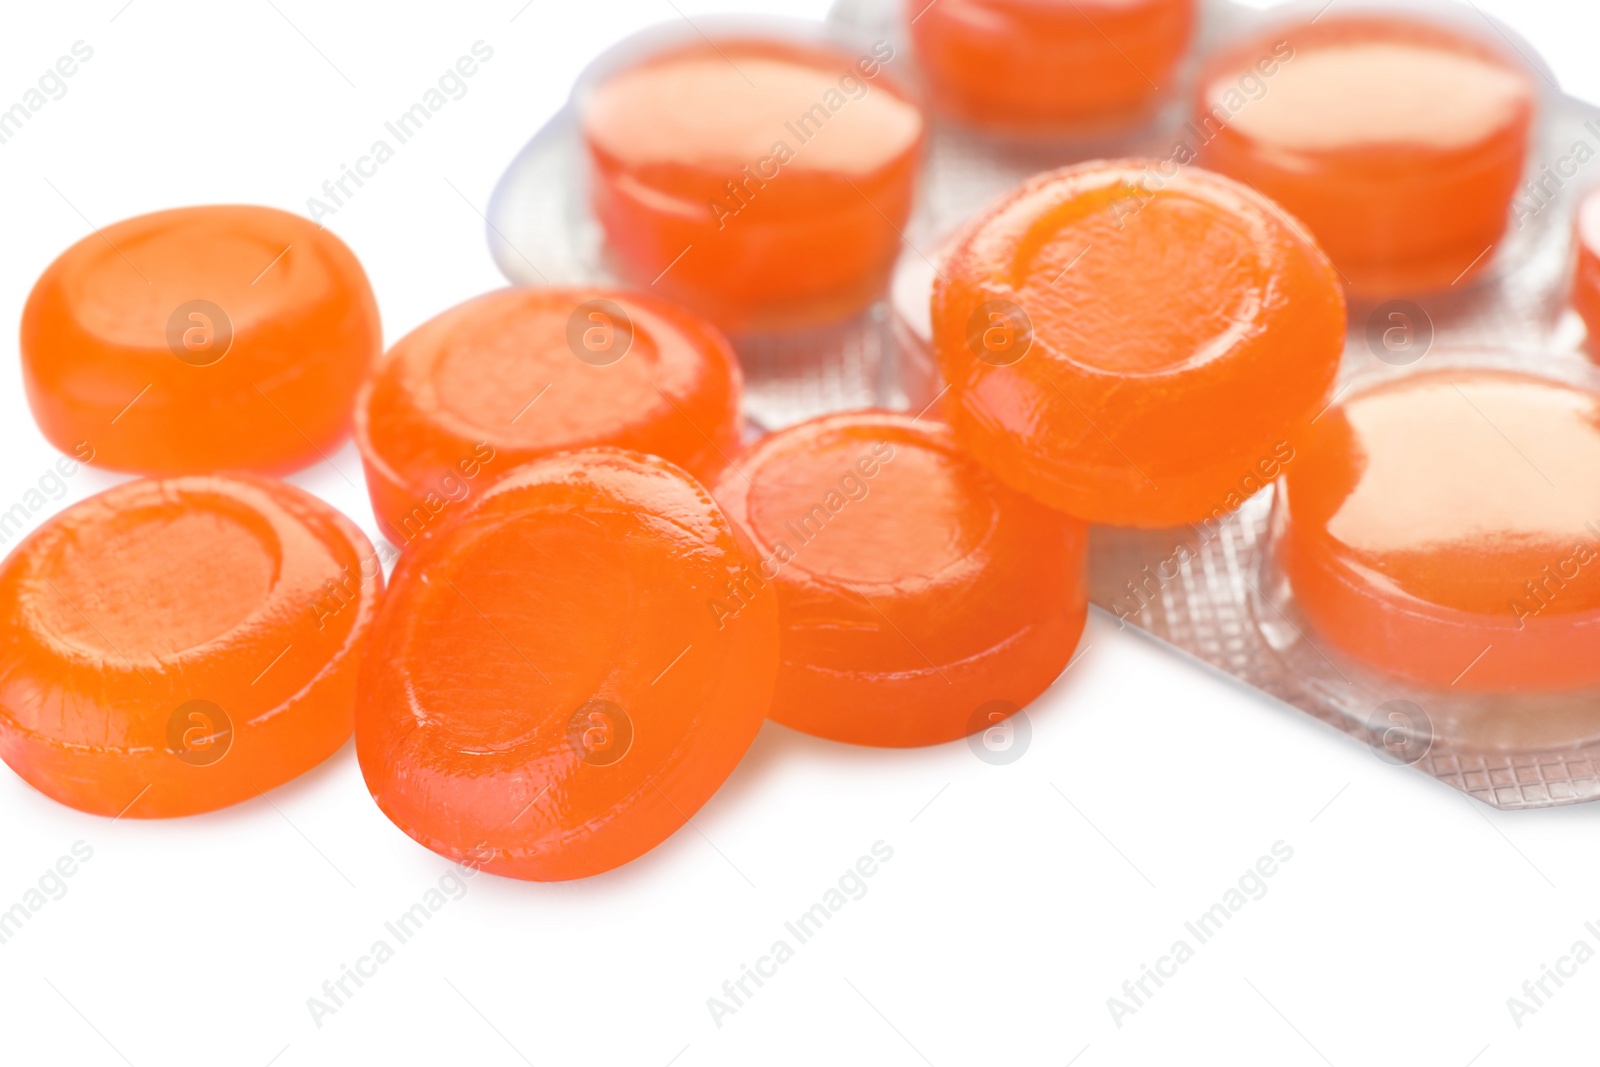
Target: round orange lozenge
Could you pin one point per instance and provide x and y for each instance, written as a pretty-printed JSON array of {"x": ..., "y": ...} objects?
[
  {"x": 1442, "y": 527},
  {"x": 520, "y": 373},
  {"x": 550, "y": 693},
  {"x": 761, "y": 183},
  {"x": 919, "y": 599},
  {"x": 174, "y": 646},
  {"x": 1040, "y": 65},
  {"x": 199, "y": 339},
  {"x": 1130, "y": 343},
  {"x": 1398, "y": 142},
  {"x": 1586, "y": 280}
]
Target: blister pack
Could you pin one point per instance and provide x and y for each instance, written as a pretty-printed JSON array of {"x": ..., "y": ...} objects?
[{"x": 1341, "y": 605}]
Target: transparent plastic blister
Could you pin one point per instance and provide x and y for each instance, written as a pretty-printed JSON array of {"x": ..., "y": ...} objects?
[
  {"x": 1210, "y": 591},
  {"x": 542, "y": 231},
  {"x": 1217, "y": 593}
]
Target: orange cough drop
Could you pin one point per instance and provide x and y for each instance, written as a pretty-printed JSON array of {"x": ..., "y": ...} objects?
[
  {"x": 550, "y": 693},
  {"x": 200, "y": 339},
  {"x": 1038, "y": 65},
  {"x": 520, "y": 373},
  {"x": 1130, "y": 344},
  {"x": 920, "y": 600},
  {"x": 176, "y": 646},
  {"x": 763, "y": 184},
  {"x": 1442, "y": 528},
  {"x": 1398, "y": 142}
]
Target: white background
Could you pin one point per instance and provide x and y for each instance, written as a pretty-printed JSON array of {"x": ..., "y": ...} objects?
[{"x": 1018, "y": 898}]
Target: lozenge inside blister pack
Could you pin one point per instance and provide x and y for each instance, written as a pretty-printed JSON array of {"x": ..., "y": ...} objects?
[{"x": 1286, "y": 316}]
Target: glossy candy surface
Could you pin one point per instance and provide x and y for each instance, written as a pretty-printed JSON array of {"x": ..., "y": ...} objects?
[
  {"x": 551, "y": 692},
  {"x": 1130, "y": 343},
  {"x": 1397, "y": 142},
  {"x": 200, "y": 339},
  {"x": 1442, "y": 527},
  {"x": 919, "y": 599},
  {"x": 759, "y": 182},
  {"x": 520, "y": 373},
  {"x": 174, "y": 646},
  {"x": 1040, "y": 65}
]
